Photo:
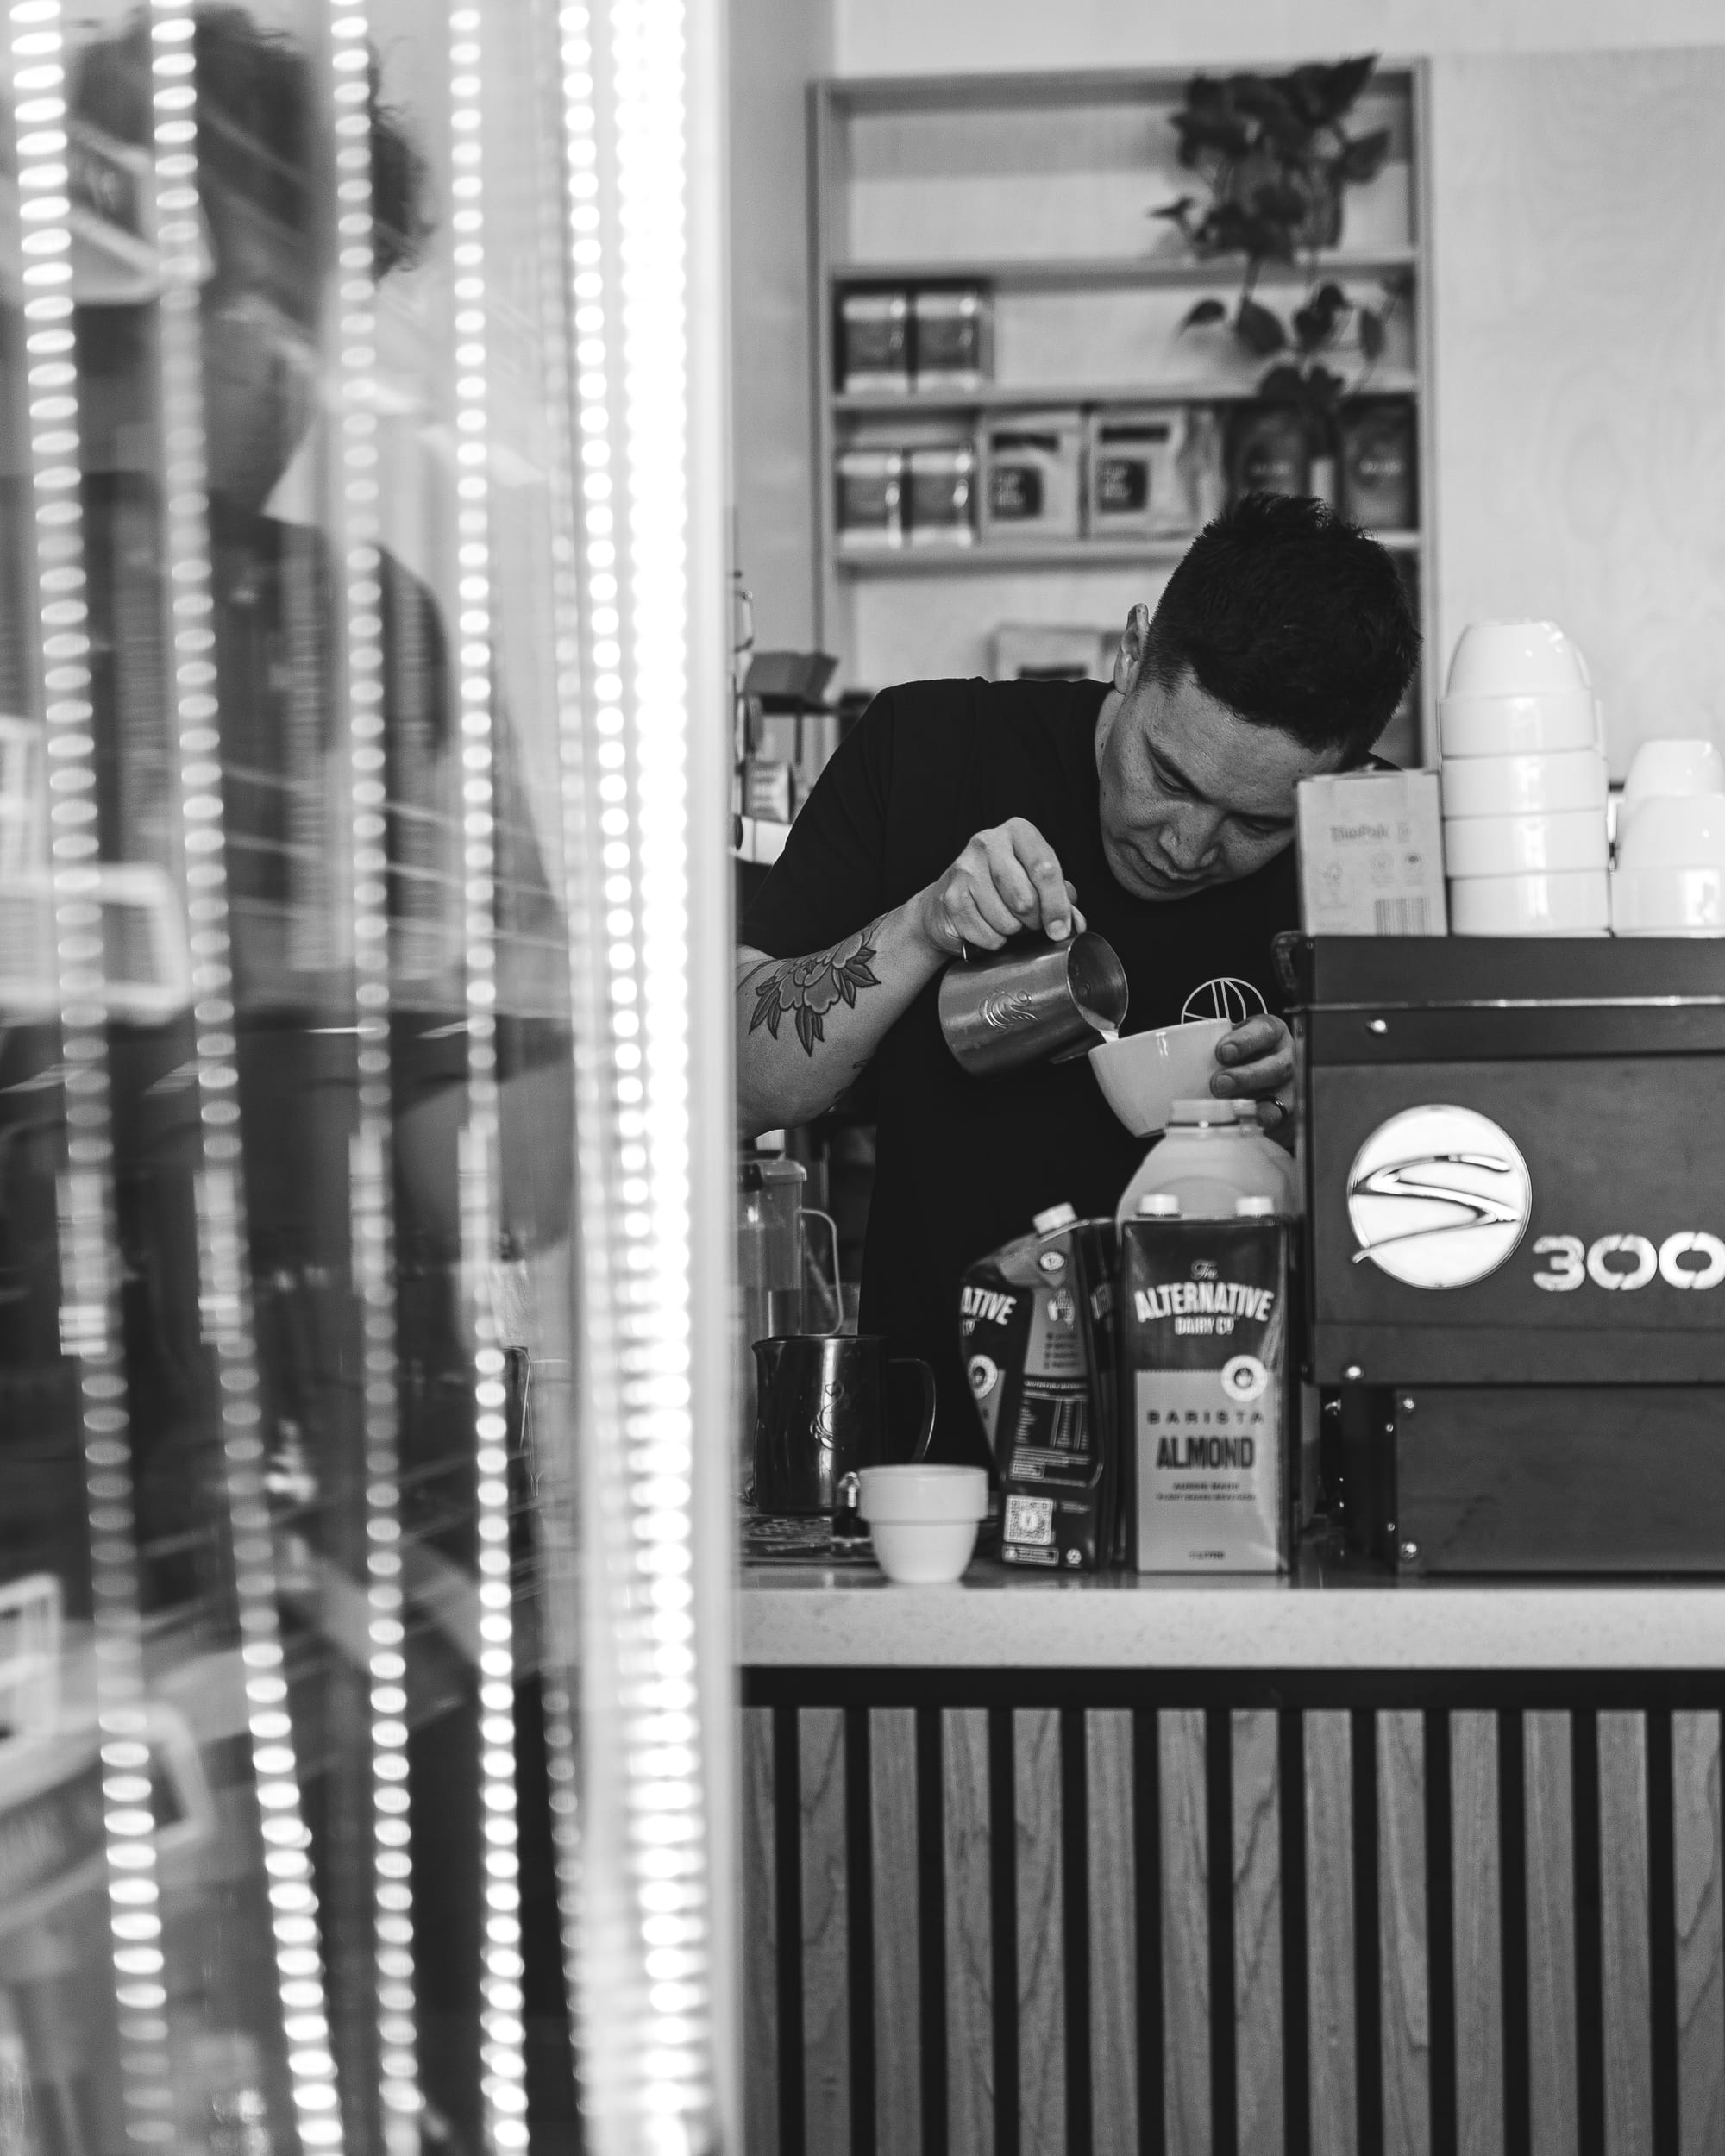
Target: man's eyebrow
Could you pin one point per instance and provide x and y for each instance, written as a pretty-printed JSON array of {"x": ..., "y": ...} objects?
[{"x": 1180, "y": 779}]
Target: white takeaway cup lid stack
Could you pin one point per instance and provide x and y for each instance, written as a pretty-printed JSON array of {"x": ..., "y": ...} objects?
[
  {"x": 1670, "y": 874},
  {"x": 1524, "y": 786}
]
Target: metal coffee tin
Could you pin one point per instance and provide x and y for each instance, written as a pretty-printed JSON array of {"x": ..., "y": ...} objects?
[{"x": 1031, "y": 1001}]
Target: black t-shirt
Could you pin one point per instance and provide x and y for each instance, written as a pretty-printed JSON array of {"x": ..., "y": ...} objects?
[{"x": 963, "y": 1162}]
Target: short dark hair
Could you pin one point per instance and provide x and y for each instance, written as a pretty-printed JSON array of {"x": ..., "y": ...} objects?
[
  {"x": 257, "y": 124},
  {"x": 1292, "y": 618}
]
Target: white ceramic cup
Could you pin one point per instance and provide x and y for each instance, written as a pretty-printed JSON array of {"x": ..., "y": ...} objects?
[
  {"x": 1143, "y": 1076},
  {"x": 923, "y": 1520},
  {"x": 1668, "y": 902},
  {"x": 1577, "y": 904},
  {"x": 1541, "y": 724},
  {"x": 1663, "y": 767},
  {"x": 1515, "y": 658},
  {"x": 1673, "y": 830},
  {"x": 1524, "y": 786},
  {"x": 1522, "y": 845}
]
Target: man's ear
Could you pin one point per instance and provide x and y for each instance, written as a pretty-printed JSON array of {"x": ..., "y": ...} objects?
[{"x": 1130, "y": 656}]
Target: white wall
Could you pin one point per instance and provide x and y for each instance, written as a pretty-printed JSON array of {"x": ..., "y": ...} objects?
[
  {"x": 914, "y": 37},
  {"x": 777, "y": 47},
  {"x": 1578, "y": 299}
]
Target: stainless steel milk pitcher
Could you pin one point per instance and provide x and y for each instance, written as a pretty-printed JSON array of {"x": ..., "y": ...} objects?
[{"x": 1032, "y": 1002}]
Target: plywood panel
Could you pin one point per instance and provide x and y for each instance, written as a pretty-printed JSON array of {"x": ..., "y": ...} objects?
[
  {"x": 760, "y": 1962},
  {"x": 1257, "y": 1933},
  {"x": 1402, "y": 1950},
  {"x": 1185, "y": 1931},
  {"x": 1551, "y": 1933},
  {"x": 918, "y": 628},
  {"x": 1042, "y": 1996},
  {"x": 1700, "y": 1991},
  {"x": 897, "y": 1994},
  {"x": 1329, "y": 1930},
  {"x": 1113, "y": 1960},
  {"x": 1013, "y": 183},
  {"x": 970, "y": 1983},
  {"x": 1478, "y": 1936},
  {"x": 1624, "y": 1934},
  {"x": 1578, "y": 254},
  {"x": 826, "y": 2044}
]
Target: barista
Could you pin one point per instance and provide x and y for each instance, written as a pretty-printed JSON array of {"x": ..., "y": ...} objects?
[{"x": 1157, "y": 811}]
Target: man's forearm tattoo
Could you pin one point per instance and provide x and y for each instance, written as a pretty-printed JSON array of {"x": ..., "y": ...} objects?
[{"x": 810, "y": 987}]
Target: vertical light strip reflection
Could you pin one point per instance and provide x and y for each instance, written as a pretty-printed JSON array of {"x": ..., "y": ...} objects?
[
  {"x": 556, "y": 1522},
  {"x": 646, "y": 1995},
  {"x": 502, "y": 2078},
  {"x": 225, "y": 1297},
  {"x": 372, "y": 1173},
  {"x": 91, "y": 1329}
]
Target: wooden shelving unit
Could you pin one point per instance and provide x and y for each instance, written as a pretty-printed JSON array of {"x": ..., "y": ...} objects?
[
  {"x": 996, "y": 396},
  {"x": 1040, "y": 188},
  {"x": 1164, "y": 271},
  {"x": 1060, "y": 554}
]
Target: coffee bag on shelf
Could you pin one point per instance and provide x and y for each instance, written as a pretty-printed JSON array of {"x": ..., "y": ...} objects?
[
  {"x": 1138, "y": 486},
  {"x": 1031, "y": 466}
]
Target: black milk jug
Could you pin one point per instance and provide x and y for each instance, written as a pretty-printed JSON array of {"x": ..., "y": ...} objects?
[{"x": 821, "y": 1414}]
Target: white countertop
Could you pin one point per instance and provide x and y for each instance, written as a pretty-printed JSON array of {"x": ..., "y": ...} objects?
[{"x": 994, "y": 1618}]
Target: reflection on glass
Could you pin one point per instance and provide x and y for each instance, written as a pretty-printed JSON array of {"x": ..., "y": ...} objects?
[
  {"x": 285, "y": 1096},
  {"x": 651, "y": 1941}
]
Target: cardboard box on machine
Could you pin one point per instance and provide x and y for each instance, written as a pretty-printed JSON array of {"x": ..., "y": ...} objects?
[{"x": 1371, "y": 855}]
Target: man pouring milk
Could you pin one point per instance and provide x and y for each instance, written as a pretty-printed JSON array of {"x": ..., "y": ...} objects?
[{"x": 1157, "y": 811}]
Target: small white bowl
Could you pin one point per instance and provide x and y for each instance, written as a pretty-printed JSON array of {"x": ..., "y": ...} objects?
[
  {"x": 1573, "y": 905},
  {"x": 1663, "y": 767},
  {"x": 1668, "y": 902},
  {"x": 1515, "y": 658},
  {"x": 1524, "y": 786},
  {"x": 1523, "y": 845},
  {"x": 1672, "y": 831},
  {"x": 1542, "y": 724},
  {"x": 1143, "y": 1076},
  {"x": 923, "y": 1520}
]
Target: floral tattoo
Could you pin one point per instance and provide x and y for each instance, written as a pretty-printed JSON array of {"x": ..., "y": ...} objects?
[{"x": 810, "y": 987}]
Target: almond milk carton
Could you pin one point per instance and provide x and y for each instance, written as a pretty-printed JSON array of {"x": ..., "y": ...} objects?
[{"x": 1206, "y": 1394}]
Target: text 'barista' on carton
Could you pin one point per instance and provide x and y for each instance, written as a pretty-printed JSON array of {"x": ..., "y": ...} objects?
[{"x": 1206, "y": 1404}]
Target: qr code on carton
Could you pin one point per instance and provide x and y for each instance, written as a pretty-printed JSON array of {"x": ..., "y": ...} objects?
[{"x": 1030, "y": 1520}]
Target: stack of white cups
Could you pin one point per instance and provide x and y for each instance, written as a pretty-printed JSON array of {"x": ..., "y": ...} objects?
[
  {"x": 1524, "y": 786},
  {"x": 1670, "y": 876}
]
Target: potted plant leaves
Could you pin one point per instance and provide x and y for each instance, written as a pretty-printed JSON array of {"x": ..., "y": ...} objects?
[{"x": 1278, "y": 158}]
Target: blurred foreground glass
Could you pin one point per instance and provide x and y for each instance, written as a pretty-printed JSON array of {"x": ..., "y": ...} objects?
[{"x": 364, "y": 1378}]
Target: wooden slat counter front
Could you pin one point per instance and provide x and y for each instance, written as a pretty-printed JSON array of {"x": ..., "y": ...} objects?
[{"x": 1056, "y": 1866}]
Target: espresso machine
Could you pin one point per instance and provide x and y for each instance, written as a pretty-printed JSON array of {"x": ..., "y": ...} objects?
[{"x": 1515, "y": 1165}]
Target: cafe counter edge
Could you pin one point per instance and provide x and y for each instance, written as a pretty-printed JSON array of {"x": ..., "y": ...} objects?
[{"x": 1325, "y": 1615}]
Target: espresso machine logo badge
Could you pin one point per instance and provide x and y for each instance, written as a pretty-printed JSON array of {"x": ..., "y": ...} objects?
[{"x": 1439, "y": 1197}]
